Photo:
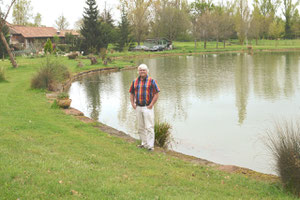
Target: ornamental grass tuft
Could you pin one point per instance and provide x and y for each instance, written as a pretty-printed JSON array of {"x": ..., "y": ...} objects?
[
  {"x": 284, "y": 143},
  {"x": 49, "y": 75},
  {"x": 163, "y": 136}
]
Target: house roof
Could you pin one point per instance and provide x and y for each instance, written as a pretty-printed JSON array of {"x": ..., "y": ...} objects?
[{"x": 38, "y": 32}]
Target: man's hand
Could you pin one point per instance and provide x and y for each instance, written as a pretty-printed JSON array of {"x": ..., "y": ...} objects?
[
  {"x": 134, "y": 106},
  {"x": 132, "y": 101},
  {"x": 150, "y": 107}
]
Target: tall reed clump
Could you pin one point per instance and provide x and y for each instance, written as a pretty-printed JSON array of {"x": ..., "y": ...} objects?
[
  {"x": 284, "y": 143},
  {"x": 2, "y": 74},
  {"x": 50, "y": 75},
  {"x": 163, "y": 136}
]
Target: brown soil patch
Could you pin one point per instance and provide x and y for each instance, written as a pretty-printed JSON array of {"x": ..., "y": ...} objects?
[{"x": 73, "y": 111}]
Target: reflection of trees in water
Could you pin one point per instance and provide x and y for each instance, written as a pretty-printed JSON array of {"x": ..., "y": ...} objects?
[
  {"x": 242, "y": 85},
  {"x": 126, "y": 114},
  {"x": 169, "y": 73},
  {"x": 291, "y": 73},
  {"x": 266, "y": 75},
  {"x": 186, "y": 78},
  {"x": 212, "y": 73},
  {"x": 94, "y": 86},
  {"x": 275, "y": 74},
  {"x": 91, "y": 84}
]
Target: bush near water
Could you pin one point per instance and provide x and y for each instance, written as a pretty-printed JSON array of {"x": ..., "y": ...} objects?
[
  {"x": 49, "y": 75},
  {"x": 162, "y": 134},
  {"x": 284, "y": 144}
]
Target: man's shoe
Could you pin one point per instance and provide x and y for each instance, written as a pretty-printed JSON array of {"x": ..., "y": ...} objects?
[{"x": 150, "y": 149}]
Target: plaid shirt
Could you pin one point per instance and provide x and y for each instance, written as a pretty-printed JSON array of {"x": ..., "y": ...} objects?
[{"x": 144, "y": 90}]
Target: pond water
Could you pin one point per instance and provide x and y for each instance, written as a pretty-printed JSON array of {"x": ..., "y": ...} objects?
[{"x": 219, "y": 105}]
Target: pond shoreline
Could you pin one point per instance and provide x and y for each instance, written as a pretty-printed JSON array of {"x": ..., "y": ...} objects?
[
  {"x": 126, "y": 137},
  {"x": 150, "y": 55}
]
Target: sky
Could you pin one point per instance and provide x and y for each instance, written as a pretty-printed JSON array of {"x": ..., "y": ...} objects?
[{"x": 71, "y": 9}]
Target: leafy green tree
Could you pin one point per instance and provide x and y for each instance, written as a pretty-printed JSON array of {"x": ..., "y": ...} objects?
[
  {"x": 295, "y": 24},
  {"x": 48, "y": 48},
  {"x": 139, "y": 17},
  {"x": 108, "y": 28},
  {"x": 171, "y": 19},
  {"x": 267, "y": 8},
  {"x": 242, "y": 20},
  {"x": 22, "y": 12},
  {"x": 91, "y": 28},
  {"x": 288, "y": 11},
  {"x": 256, "y": 24},
  {"x": 123, "y": 32},
  {"x": 276, "y": 29}
]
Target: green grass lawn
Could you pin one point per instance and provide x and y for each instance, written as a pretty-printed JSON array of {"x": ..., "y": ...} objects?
[
  {"x": 45, "y": 154},
  {"x": 232, "y": 45}
]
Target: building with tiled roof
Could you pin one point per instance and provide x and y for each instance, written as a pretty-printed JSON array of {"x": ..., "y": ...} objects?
[{"x": 26, "y": 36}]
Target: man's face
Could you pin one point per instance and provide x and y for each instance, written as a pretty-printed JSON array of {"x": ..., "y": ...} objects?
[{"x": 143, "y": 72}]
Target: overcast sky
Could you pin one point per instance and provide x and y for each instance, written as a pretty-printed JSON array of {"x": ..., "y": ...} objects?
[{"x": 71, "y": 9}]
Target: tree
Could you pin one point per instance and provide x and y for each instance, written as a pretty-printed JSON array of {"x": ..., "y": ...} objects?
[
  {"x": 107, "y": 27},
  {"x": 227, "y": 23},
  {"x": 3, "y": 51},
  {"x": 256, "y": 24},
  {"x": 267, "y": 10},
  {"x": 22, "y": 12},
  {"x": 61, "y": 23},
  {"x": 38, "y": 20},
  {"x": 276, "y": 29},
  {"x": 91, "y": 28},
  {"x": 288, "y": 11},
  {"x": 139, "y": 16},
  {"x": 205, "y": 26},
  {"x": 198, "y": 8},
  {"x": 123, "y": 32},
  {"x": 295, "y": 24},
  {"x": 171, "y": 18},
  {"x": 242, "y": 20},
  {"x": 3, "y": 18},
  {"x": 48, "y": 48}
]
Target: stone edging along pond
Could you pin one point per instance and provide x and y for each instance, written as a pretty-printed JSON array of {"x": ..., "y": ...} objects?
[{"x": 107, "y": 129}]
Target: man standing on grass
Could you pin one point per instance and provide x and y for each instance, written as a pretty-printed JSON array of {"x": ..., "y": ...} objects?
[{"x": 143, "y": 95}]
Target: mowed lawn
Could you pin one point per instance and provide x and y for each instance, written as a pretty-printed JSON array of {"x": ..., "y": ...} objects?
[{"x": 45, "y": 154}]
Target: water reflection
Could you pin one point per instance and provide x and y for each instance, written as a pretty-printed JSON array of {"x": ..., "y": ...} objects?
[{"x": 218, "y": 104}]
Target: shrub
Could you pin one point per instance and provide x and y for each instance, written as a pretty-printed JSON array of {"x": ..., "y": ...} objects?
[
  {"x": 72, "y": 55},
  {"x": 48, "y": 48},
  {"x": 284, "y": 144},
  {"x": 103, "y": 53},
  {"x": 49, "y": 75},
  {"x": 63, "y": 47},
  {"x": 162, "y": 134},
  {"x": 54, "y": 105},
  {"x": 2, "y": 74},
  {"x": 63, "y": 95}
]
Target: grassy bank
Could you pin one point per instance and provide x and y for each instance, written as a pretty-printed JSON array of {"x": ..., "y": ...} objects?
[
  {"x": 45, "y": 154},
  {"x": 189, "y": 47}
]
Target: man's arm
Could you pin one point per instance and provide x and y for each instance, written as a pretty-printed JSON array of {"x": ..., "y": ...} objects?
[
  {"x": 155, "y": 97},
  {"x": 132, "y": 101}
]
